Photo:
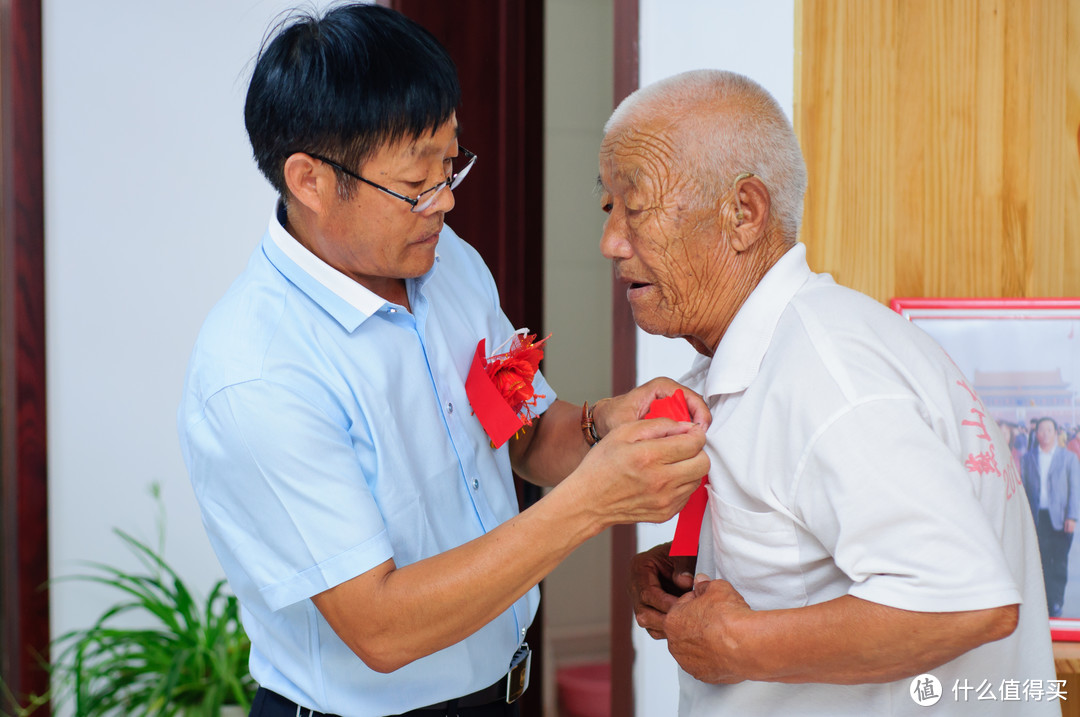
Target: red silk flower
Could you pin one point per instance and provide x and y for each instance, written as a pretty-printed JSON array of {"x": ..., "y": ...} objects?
[
  {"x": 513, "y": 373},
  {"x": 500, "y": 387}
]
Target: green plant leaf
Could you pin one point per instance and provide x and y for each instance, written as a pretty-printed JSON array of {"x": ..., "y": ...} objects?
[{"x": 187, "y": 657}]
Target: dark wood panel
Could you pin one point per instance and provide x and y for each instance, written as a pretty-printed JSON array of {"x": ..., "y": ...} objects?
[
  {"x": 498, "y": 48},
  {"x": 24, "y": 601},
  {"x": 623, "y": 378}
]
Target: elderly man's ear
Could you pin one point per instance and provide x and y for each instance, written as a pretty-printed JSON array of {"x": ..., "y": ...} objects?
[{"x": 751, "y": 216}]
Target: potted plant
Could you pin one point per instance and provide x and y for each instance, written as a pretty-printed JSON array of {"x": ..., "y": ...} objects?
[{"x": 187, "y": 658}]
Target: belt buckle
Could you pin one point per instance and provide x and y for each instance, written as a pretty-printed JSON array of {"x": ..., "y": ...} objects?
[{"x": 517, "y": 679}]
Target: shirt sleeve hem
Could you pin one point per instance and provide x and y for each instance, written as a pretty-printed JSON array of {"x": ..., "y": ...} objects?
[
  {"x": 951, "y": 601},
  {"x": 330, "y": 572}
]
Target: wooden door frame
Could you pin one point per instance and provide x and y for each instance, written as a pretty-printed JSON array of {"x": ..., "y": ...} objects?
[
  {"x": 24, "y": 598},
  {"x": 623, "y": 378}
]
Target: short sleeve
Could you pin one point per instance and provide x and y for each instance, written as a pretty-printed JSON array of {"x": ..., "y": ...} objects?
[
  {"x": 886, "y": 496},
  {"x": 283, "y": 493}
]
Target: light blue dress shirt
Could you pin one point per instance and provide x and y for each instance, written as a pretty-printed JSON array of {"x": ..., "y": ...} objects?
[{"x": 327, "y": 431}]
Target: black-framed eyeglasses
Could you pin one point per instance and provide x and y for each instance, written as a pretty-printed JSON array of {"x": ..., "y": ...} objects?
[{"x": 422, "y": 201}]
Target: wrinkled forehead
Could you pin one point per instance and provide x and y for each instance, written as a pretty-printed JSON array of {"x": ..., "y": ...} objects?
[
  {"x": 639, "y": 153},
  {"x": 637, "y": 156}
]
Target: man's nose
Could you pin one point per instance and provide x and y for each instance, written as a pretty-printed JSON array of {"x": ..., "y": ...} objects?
[
  {"x": 444, "y": 201},
  {"x": 613, "y": 242}
]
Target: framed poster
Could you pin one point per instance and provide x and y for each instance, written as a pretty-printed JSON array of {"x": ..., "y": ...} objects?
[{"x": 1022, "y": 356}]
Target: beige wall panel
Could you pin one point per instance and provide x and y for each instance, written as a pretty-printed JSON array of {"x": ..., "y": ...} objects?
[{"x": 942, "y": 139}]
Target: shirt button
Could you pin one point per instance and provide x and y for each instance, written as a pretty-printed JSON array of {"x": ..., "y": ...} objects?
[
  {"x": 475, "y": 484},
  {"x": 523, "y": 631},
  {"x": 449, "y": 407}
]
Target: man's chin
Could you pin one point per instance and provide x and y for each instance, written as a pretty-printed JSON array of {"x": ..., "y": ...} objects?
[
  {"x": 421, "y": 261},
  {"x": 649, "y": 322}
]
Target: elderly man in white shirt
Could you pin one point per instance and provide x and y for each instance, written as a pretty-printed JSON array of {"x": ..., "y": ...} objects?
[{"x": 867, "y": 547}]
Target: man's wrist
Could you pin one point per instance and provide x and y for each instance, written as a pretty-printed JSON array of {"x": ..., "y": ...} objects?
[
  {"x": 600, "y": 415},
  {"x": 588, "y": 426}
]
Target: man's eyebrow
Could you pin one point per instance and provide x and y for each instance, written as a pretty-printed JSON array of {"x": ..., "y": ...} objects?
[
  {"x": 429, "y": 151},
  {"x": 630, "y": 176}
]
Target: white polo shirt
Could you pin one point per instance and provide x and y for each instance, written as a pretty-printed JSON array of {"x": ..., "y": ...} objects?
[{"x": 851, "y": 457}]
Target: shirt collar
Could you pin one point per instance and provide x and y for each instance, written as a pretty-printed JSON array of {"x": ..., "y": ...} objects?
[
  {"x": 345, "y": 299},
  {"x": 738, "y": 357}
]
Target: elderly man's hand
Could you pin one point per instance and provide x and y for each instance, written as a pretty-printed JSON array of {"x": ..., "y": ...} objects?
[
  {"x": 656, "y": 582},
  {"x": 609, "y": 413},
  {"x": 702, "y": 631}
]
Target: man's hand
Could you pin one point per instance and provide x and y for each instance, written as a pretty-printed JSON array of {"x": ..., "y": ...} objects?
[
  {"x": 1070, "y": 526},
  {"x": 656, "y": 582},
  {"x": 609, "y": 413},
  {"x": 644, "y": 471},
  {"x": 700, "y": 631},
  {"x": 715, "y": 636}
]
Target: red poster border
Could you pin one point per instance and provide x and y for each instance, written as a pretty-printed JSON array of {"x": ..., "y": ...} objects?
[{"x": 911, "y": 308}]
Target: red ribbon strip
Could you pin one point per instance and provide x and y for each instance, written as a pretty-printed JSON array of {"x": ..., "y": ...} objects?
[{"x": 688, "y": 529}]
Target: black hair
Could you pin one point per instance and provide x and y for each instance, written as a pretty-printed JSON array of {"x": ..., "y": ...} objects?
[
  {"x": 343, "y": 85},
  {"x": 1039, "y": 421}
]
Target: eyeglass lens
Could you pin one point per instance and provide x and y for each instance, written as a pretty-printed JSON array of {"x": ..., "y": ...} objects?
[{"x": 457, "y": 174}]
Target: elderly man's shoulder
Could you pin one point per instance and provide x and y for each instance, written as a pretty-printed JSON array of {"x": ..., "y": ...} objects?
[
  {"x": 842, "y": 312},
  {"x": 836, "y": 332}
]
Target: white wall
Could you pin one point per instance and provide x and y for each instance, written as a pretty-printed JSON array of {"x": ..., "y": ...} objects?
[
  {"x": 577, "y": 298},
  {"x": 757, "y": 40},
  {"x": 152, "y": 205}
]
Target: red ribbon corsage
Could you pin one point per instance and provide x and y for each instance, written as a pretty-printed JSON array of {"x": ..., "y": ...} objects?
[{"x": 500, "y": 386}]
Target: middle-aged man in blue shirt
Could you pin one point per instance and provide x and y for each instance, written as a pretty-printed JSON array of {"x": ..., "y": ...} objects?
[{"x": 362, "y": 517}]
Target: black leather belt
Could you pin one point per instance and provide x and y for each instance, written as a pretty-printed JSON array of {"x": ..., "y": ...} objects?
[
  {"x": 272, "y": 704},
  {"x": 492, "y": 693},
  {"x": 268, "y": 703},
  {"x": 507, "y": 690}
]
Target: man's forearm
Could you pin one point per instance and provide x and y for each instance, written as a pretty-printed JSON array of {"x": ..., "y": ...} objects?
[
  {"x": 390, "y": 616},
  {"x": 553, "y": 448},
  {"x": 853, "y": 641},
  {"x": 843, "y": 641}
]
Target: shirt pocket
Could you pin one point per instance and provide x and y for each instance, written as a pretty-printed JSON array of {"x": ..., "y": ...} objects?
[{"x": 758, "y": 553}]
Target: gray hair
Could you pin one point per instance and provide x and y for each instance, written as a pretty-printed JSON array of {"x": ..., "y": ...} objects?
[{"x": 742, "y": 129}]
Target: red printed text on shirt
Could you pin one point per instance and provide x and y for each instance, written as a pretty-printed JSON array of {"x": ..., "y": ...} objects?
[{"x": 985, "y": 462}]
